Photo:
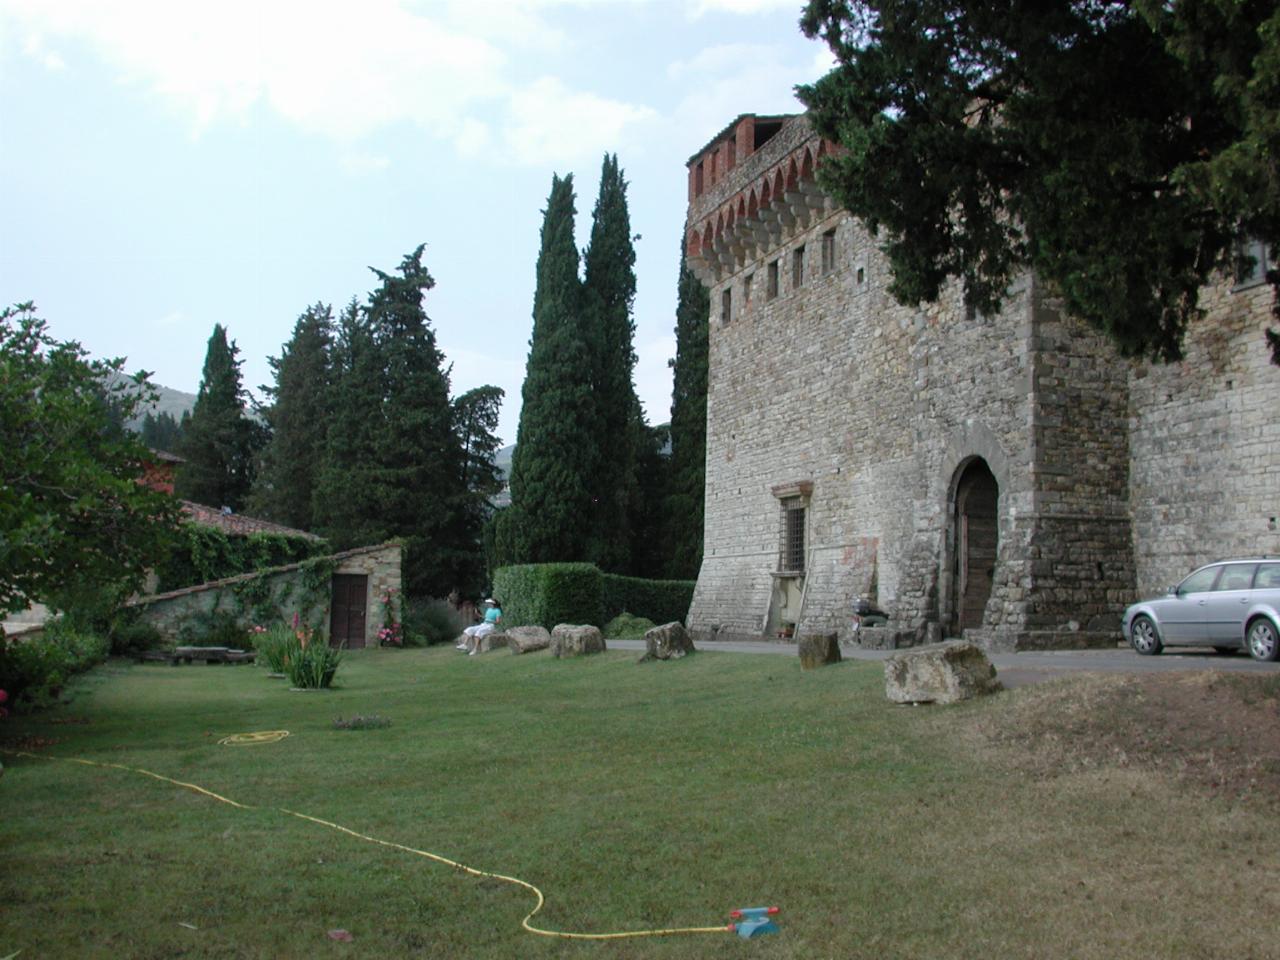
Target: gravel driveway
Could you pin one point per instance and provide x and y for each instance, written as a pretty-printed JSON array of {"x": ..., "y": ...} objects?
[{"x": 1017, "y": 669}]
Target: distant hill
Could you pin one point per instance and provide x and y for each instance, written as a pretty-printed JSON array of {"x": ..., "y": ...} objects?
[{"x": 168, "y": 400}]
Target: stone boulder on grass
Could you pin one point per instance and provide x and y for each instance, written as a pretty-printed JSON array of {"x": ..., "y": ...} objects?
[
  {"x": 939, "y": 673},
  {"x": 492, "y": 641},
  {"x": 528, "y": 639},
  {"x": 818, "y": 650},
  {"x": 668, "y": 642},
  {"x": 573, "y": 640}
]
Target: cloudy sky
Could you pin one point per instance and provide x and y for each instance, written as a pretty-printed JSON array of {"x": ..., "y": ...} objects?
[{"x": 169, "y": 165}]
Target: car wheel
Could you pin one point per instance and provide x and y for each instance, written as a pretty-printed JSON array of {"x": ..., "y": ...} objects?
[
  {"x": 1262, "y": 641},
  {"x": 1144, "y": 637}
]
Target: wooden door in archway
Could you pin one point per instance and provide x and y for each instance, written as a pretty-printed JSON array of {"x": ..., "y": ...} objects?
[{"x": 977, "y": 542}]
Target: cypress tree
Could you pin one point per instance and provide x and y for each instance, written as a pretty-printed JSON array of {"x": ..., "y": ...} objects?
[
  {"x": 285, "y": 485},
  {"x": 418, "y": 453},
  {"x": 346, "y": 499},
  {"x": 555, "y": 458},
  {"x": 161, "y": 432},
  {"x": 475, "y": 417},
  {"x": 688, "y": 425},
  {"x": 219, "y": 441},
  {"x": 609, "y": 291}
]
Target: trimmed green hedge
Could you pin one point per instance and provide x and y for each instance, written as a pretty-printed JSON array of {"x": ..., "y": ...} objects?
[
  {"x": 551, "y": 593},
  {"x": 661, "y": 601},
  {"x": 203, "y": 553}
]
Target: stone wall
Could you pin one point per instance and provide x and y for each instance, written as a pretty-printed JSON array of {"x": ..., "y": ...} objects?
[
  {"x": 276, "y": 595},
  {"x": 1205, "y": 438},
  {"x": 831, "y": 394}
]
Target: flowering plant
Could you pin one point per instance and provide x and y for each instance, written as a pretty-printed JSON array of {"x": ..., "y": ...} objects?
[
  {"x": 392, "y": 632},
  {"x": 3, "y": 698}
]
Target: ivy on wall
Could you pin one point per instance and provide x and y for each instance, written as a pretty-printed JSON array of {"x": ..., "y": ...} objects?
[{"x": 204, "y": 553}]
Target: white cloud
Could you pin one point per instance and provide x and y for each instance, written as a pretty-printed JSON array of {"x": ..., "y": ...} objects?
[
  {"x": 653, "y": 377},
  {"x": 551, "y": 123},
  {"x": 33, "y": 46},
  {"x": 730, "y": 79},
  {"x": 341, "y": 70},
  {"x": 699, "y": 8},
  {"x": 174, "y": 318},
  {"x": 362, "y": 164}
]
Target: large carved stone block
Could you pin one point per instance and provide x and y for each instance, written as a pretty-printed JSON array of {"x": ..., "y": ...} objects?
[
  {"x": 818, "y": 650},
  {"x": 570, "y": 640},
  {"x": 492, "y": 641},
  {"x": 939, "y": 673},
  {"x": 528, "y": 639},
  {"x": 668, "y": 642}
]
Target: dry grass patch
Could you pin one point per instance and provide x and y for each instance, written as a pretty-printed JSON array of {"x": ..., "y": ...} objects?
[{"x": 1216, "y": 733}]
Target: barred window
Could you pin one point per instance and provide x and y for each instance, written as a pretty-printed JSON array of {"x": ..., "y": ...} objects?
[{"x": 792, "y": 557}]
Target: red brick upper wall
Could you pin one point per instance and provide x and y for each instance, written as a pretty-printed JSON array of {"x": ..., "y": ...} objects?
[{"x": 728, "y": 148}]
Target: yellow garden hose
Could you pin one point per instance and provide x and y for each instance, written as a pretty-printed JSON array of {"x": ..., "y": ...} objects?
[
  {"x": 252, "y": 738},
  {"x": 249, "y": 739}
]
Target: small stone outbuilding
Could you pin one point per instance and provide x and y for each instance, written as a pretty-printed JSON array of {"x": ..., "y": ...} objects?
[{"x": 344, "y": 594}]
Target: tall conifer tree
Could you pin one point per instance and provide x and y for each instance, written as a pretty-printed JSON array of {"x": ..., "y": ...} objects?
[
  {"x": 555, "y": 458},
  {"x": 609, "y": 292},
  {"x": 688, "y": 425},
  {"x": 299, "y": 418},
  {"x": 417, "y": 450},
  {"x": 219, "y": 441},
  {"x": 475, "y": 418},
  {"x": 347, "y": 496}
]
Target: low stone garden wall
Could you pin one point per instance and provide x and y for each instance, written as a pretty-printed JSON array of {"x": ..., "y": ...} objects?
[{"x": 270, "y": 596}]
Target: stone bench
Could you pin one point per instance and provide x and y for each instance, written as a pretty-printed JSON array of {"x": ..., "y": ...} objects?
[{"x": 209, "y": 655}]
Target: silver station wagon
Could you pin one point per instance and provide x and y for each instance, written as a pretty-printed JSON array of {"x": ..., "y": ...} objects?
[{"x": 1226, "y": 605}]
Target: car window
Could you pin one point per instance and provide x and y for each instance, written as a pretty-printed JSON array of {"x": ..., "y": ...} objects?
[
  {"x": 1200, "y": 581},
  {"x": 1237, "y": 576},
  {"x": 1268, "y": 577}
]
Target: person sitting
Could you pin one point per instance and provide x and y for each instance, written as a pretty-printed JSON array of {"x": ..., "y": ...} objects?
[{"x": 471, "y": 636}]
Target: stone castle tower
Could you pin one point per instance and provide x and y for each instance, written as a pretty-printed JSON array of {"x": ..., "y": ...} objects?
[{"x": 1007, "y": 477}]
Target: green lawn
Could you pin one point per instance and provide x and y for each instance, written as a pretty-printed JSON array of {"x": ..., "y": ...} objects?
[{"x": 634, "y": 796}]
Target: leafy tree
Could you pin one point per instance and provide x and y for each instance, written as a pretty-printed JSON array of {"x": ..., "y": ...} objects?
[
  {"x": 74, "y": 521},
  {"x": 688, "y": 426},
  {"x": 609, "y": 289},
  {"x": 555, "y": 458},
  {"x": 1120, "y": 150},
  {"x": 219, "y": 441},
  {"x": 298, "y": 415},
  {"x": 161, "y": 432}
]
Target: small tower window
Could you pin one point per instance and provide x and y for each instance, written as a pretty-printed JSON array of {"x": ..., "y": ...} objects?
[
  {"x": 726, "y": 306},
  {"x": 828, "y": 251},
  {"x": 797, "y": 267},
  {"x": 772, "y": 291}
]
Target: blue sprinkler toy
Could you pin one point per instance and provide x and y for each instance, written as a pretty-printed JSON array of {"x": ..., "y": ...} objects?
[{"x": 753, "y": 921}]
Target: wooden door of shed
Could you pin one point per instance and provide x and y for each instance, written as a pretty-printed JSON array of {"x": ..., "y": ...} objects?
[{"x": 348, "y": 609}]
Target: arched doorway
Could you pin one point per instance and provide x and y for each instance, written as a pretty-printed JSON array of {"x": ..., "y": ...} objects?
[{"x": 977, "y": 541}]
